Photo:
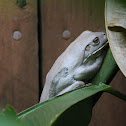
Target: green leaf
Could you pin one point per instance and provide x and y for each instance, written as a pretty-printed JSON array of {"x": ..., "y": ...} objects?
[
  {"x": 115, "y": 15},
  {"x": 9, "y": 117},
  {"x": 47, "y": 112}
]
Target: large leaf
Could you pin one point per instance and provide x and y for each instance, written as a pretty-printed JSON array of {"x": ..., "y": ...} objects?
[
  {"x": 116, "y": 30},
  {"x": 46, "y": 113}
]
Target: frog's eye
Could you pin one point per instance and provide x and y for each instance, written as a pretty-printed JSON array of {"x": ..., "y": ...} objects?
[{"x": 96, "y": 40}]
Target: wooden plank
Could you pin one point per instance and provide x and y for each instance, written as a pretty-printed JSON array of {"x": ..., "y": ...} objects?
[
  {"x": 18, "y": 58},
  {"x": 77, "y": 16}
]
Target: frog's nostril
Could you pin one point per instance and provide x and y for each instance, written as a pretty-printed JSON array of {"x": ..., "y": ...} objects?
[{"x": 104, "y": 34}]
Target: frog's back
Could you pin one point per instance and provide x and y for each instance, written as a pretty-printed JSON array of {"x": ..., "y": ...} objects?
[{"x": 71, "y": 58}]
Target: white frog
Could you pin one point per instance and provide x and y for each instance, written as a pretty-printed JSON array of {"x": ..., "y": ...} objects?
[{"x": 76, "y": 65}]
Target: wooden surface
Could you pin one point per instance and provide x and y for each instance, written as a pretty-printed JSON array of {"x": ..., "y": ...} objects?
[
  {"x": 18, "y": 59},
  {"x": 77, "y": 16}
]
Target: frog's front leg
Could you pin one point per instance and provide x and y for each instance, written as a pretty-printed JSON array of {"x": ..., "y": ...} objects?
[
  {"x": 73, "y": 86},
  {"x": 86, "y": 72}
]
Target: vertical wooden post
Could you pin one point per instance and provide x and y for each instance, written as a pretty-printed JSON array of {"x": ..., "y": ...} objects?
[{"x": 18, "y": 54}]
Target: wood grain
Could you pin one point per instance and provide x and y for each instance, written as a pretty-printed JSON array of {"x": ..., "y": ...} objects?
[{"x": 18, "y": 59}]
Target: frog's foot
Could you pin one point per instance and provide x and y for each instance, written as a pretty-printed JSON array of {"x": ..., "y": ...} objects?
[{"x": 75, "y": 85}]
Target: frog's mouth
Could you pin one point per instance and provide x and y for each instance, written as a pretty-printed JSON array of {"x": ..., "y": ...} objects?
[{"x": 96, "y": 53}]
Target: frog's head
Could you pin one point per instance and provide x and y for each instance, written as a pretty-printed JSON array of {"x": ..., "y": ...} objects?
[
  {"x": 86, "y": 47},
  {"x": 96, "y": 45}
]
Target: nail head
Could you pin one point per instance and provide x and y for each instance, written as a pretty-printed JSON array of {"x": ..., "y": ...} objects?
[
  {"x": 66, "y": 34},
  {"x": 17, "y": 35}
]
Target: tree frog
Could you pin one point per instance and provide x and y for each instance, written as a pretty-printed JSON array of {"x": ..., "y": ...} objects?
[{"x": 76, "y": 65}]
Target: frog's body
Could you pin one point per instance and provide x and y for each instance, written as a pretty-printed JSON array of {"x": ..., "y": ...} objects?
[{"x": 76, "y": 65}]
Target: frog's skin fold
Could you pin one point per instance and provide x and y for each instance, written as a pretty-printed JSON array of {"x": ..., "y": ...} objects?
[{"x": 76, "y": 65}]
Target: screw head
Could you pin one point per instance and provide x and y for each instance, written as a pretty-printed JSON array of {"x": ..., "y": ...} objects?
[
  {"x": 17, "y": 35},
  {"x": 66, "y": 34}
]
